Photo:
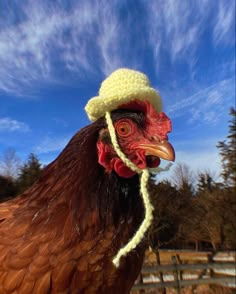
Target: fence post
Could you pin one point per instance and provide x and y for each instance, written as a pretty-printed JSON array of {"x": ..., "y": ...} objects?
[
  {"x": 163, "y": 290},
  {"x": 176, "y": 274},
  {"x": 140, "y": 280},
  {"x": 179, "y": 262},
  {"x": 210, "y": 258}
]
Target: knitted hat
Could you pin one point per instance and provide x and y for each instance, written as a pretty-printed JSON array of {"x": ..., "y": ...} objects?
[{"x": 122, "y": 86}]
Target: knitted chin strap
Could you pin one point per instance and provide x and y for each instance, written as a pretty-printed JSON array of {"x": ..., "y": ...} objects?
[{"x": 144, "y": 176}]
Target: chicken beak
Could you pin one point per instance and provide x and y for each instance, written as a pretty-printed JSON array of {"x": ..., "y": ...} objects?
[{"x": 161, "y": 149}]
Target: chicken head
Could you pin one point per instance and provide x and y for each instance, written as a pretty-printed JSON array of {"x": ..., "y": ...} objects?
[{"x": 142, "y": 135}]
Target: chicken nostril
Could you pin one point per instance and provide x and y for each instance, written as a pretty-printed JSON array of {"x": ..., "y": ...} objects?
[
  {"x": 163, "y": 141},
  {"x": 155, "y": 138}
]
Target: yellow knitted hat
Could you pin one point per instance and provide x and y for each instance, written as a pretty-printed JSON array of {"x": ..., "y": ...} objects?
[{"x": 122, "y": 86}]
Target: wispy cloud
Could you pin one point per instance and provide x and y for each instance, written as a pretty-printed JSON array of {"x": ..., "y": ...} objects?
[
  {"x": 206, "y": 105},
  {"x": 224, "y": 29},
  {"x": 176, "y": 27},
  {"x": 41, "y": 42},
  {"x": 50, "y": 144},
  {"x": 11, "y": 125},
  {"x": 172, "y": 28},
  {"x": 50, "y": 39}
]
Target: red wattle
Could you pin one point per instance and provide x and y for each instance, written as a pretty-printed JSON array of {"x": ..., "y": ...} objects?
[{"x": 122, "y": 170}]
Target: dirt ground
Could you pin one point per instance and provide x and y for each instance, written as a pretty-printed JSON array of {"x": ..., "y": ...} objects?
[{"x": 202, "y": 289}]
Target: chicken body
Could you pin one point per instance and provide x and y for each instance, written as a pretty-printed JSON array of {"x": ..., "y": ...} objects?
[{"x": 61, "y": 235}]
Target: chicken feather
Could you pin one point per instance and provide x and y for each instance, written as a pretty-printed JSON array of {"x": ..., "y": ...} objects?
[{"x": 61, "y": 234}]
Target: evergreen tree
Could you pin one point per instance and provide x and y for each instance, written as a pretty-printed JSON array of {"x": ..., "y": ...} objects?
[
  {"x": 228, "y": 152},
  {"x": 29, "y": 173},
  {"x": 205, "y": 183},
  {"x": 172, "y": 208}
]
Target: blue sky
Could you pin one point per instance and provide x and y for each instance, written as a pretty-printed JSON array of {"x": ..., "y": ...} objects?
[{"x": 54, "y": 55}]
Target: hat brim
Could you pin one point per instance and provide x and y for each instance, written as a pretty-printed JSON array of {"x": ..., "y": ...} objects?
[{"x": 99, "y": 105}]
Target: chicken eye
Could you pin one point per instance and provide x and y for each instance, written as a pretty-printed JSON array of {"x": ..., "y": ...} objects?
[{"x": 123, "y": 129}]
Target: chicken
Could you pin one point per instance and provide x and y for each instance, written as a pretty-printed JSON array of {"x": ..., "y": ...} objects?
[{"x": 61, "y": 235}]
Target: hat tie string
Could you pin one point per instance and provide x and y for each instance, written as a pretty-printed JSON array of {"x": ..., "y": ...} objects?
[{"x": 144, "y": 177}]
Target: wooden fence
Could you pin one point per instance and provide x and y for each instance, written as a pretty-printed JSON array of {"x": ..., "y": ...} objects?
[{"x": 180, "y": 273}]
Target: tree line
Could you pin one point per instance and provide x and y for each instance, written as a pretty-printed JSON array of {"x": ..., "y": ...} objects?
[
  {"x": 201, "y": 216},
  {"x": 15, "y": 177}
]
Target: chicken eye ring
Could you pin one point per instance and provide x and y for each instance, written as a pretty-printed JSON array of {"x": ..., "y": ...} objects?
[{"x": 124, "y": 128}]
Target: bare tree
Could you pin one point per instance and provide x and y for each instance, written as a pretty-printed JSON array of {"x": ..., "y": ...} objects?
[
  {"x": 9, "y": 163},
  {"x": 183, "y": 177}
]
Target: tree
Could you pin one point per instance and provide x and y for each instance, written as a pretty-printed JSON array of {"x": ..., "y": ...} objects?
[
  {"x": 183, "y": 178},
  {"x": 162, "y": 230},
  {"x": 172, "y": 208},
  {"x": 10, "y": 164},
  {"x": 205, "y": 182},
  {"x": 8, "y": 188},
  {"x": 218, "y": 221},
  {"x": 29, "y": 173},
  {"x": 228, "y": 152},
  {"x": 214, "y": 216}
]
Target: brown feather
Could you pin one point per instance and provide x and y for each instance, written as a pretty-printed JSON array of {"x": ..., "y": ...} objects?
[
  {"x": 62, "y": 233},
  {"x": 13, "y": 280}
]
